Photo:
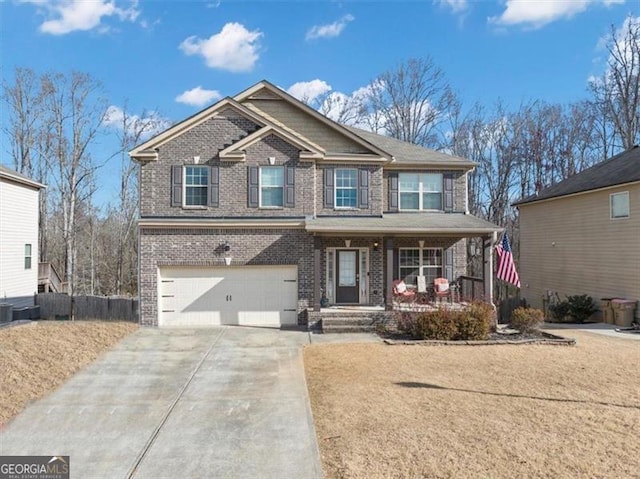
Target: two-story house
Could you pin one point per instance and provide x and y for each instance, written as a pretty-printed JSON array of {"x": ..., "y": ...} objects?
[
  {"x": 19, "y": 210},
  {"x": 255, "y": 208}
]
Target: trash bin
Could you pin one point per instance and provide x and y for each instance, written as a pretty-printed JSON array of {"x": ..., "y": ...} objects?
[
  {"x": 6, "y": 312},
  {"x": 623, "y": 310},
  {"x": 607, "y": 310}
]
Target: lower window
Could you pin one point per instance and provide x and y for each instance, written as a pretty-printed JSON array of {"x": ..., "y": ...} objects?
[{"x": 414, "y": 262}]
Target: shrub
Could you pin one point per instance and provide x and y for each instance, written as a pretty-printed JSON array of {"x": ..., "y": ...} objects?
[
  {"x": 472, "y": 323},
  {"x": 559, "y": 310},
  {"x": 581, "y": 307},
  {"x": 526, "y": 320},
  {"x": 475, "y": 322}
]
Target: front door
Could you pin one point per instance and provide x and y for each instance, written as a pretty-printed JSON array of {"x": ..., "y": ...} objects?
[{"x": 348, "y": 276}]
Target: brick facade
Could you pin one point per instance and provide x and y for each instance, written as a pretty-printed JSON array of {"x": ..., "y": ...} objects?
[{"x": 201, "y": 144}]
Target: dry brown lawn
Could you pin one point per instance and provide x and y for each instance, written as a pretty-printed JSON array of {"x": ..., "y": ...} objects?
[
  {"x": 37, "y": 358},
  {"x": 502, "y": 411}
]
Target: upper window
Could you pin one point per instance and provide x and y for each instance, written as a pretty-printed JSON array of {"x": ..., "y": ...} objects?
[
  {"x": 272, "y": 186},
  {"x": 619, "y": 203},
  {"x": 27, "y": 256},
  {"x": 346, "y": 189},
  {"x": 414, "y": 262},
  {"x": 196, "y": 182},
  {"x": 420, "y": 191}
]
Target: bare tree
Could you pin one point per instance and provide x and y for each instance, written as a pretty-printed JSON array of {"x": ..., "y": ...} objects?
[
  {"x": 409, "y": 102},
  {"x": 616, "y": 94},
  {"x": 74, "y": 113}
]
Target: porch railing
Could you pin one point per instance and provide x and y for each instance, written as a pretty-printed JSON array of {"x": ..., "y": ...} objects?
[{"x": 470, "y": 288}]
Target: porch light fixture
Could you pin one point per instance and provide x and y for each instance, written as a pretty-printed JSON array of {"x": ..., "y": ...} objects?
[
  {"x": 375, "y": 245},
  {"x": 347, "y": 243},
  {"x": 421, "y": 243}
]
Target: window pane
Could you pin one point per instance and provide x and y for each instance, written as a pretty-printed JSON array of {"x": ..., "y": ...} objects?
[
  {"x": 272, "y": 176},
  {"x": 347, "y": 268},
  {"x": 408, "y": 275},
  {"x": 272, "y": 197},
  {"x": 197, "y": 175},
  {"x": 431, "y": 201},
  {"x": 27, "y": 250},
  {"x": 432, "y": 182},
  {"x": 409, "y": 257},
  {"x": 346, "y": 178},
  {"x": 346, "y": 198},
  {"x": 196, "y": 196},
  {"x": 431, "y": 273},
  {"x": 409, "y": 201},
  {"x": 432, "y": 257},
  {"x": 408, "y": 182},
  {"x": 620, "y": 205}
]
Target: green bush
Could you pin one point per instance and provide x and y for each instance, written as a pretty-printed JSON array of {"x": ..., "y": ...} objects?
[
  {"x": 526, "y": 320},
  {"x": 559, "y": 310},
  {"x": 472, "y": 323},
  {"x": 581, "y": 307}
]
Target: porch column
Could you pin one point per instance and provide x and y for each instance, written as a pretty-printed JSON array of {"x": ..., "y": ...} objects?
[
  {"x": 389, "y": 279},
  {"x": 317, "y": 244},
  {"x": 487, "y": 256}
]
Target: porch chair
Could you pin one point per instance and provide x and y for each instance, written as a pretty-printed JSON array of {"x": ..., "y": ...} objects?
[
  {"x": 401, "y": 292},
  {"x": 441, "y": 289}
]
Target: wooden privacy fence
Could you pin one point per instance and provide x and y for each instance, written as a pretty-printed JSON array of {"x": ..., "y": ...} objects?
[{"x": 63, "y": 306}]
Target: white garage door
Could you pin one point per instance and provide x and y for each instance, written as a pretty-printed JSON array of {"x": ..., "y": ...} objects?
[{"x": 243, "y": 295}]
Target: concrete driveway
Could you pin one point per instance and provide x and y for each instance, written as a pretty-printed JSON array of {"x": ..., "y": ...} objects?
[{"x": 206, "y": 403}]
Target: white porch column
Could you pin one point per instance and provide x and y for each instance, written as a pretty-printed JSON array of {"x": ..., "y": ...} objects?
[{"x": 488, "y": 243}]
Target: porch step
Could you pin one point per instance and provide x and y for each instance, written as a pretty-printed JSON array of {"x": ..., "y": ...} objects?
[
  {"x": 336, "y": 322},
  {"x": 331, "y": 329}
]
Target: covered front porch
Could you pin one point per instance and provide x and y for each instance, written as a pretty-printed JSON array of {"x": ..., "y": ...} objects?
[{"x": 356, "y": 260}]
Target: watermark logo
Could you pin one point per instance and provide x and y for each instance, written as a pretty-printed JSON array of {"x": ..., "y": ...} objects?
[{"x": 34, "y": 467}]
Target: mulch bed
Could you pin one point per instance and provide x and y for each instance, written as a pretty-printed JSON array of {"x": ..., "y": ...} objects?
[{"x": 535, "y": 337}]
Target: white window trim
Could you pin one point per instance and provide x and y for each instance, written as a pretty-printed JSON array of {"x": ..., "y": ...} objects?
[
  {"x": 620, "y": 193},
  {"x": 30, "y": 256},
  {"x": 420, "y": 192},
  {"x": 260, "y": 187},
  {"x": 363, "y": 296},
  {"x": 335, "y": 190},
  {"x": 421, "y": 266},
  {"x": 184, "y": 188}
]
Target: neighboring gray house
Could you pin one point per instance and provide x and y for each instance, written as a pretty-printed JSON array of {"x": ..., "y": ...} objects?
[
  {"x": 582, "y": 235},
  {"x": 254, "y": 208}
]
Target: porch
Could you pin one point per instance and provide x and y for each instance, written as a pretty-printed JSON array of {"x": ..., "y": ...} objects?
[{"x": 357, "y": 260}]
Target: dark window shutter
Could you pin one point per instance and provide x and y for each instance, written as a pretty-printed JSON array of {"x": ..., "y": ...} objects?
[
  {"x": 289, "y": 187},
  {"x": 448, "y": 192},
  {"x": 328, "y": 188},
  {"x": 448, "y": 263},
  {"x": 176, "y": 185},
  {"x": 214, "y": 186},
  {"x": 363, "y": 188},
  {"x": 252, "y": 175},
  {"x": 393, "y": 191}
]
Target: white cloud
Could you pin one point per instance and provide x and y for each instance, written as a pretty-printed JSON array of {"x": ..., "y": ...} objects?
[
  {"x": 66, "y": 16},
  {"x": 234, "y": 49},
  {"x": 150, "y": 124},
  {"x": 537, "y": 13},
  {"x": 198, "y": 96},
  {"x": 331, "y": 30},
  {"x": 456, "y": 6},
  {"x": 307, "y": 91}
]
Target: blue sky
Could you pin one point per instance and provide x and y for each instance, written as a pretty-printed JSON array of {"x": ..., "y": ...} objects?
[{"x": 178, "y": 57}]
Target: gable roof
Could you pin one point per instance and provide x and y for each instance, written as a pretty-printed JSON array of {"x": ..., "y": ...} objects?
[
  {"x": 410, "y": 154},
  {"x": 12, "y": 175},
  {"x": 390, "y": 151},
  {"x": 620, "y": 169}
]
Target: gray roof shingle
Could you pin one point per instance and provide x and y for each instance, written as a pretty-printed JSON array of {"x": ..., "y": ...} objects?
[
  {"x": 617, "y": 170},
  {"x": 453, "y": 224},
  {"x": 410, "y": 154}
]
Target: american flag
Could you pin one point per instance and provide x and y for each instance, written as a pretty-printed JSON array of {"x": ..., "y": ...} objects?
[{"x": 506, "y": 267}]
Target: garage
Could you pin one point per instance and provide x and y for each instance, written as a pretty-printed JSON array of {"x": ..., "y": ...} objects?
[{"x": 213, "y": 296}]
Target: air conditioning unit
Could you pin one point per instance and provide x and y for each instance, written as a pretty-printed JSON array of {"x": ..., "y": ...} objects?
[{"x": 6, "y": 312}]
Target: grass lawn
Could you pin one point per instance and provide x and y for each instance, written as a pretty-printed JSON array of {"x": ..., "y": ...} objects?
[
  {"x": 37, "y": 358},
  {"x": 502, "y": 411}
]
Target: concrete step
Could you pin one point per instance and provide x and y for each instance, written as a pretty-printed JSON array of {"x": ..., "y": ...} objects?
[
  {"x": 348, "y": 321},
  {"x": 347, "y": 329}
]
